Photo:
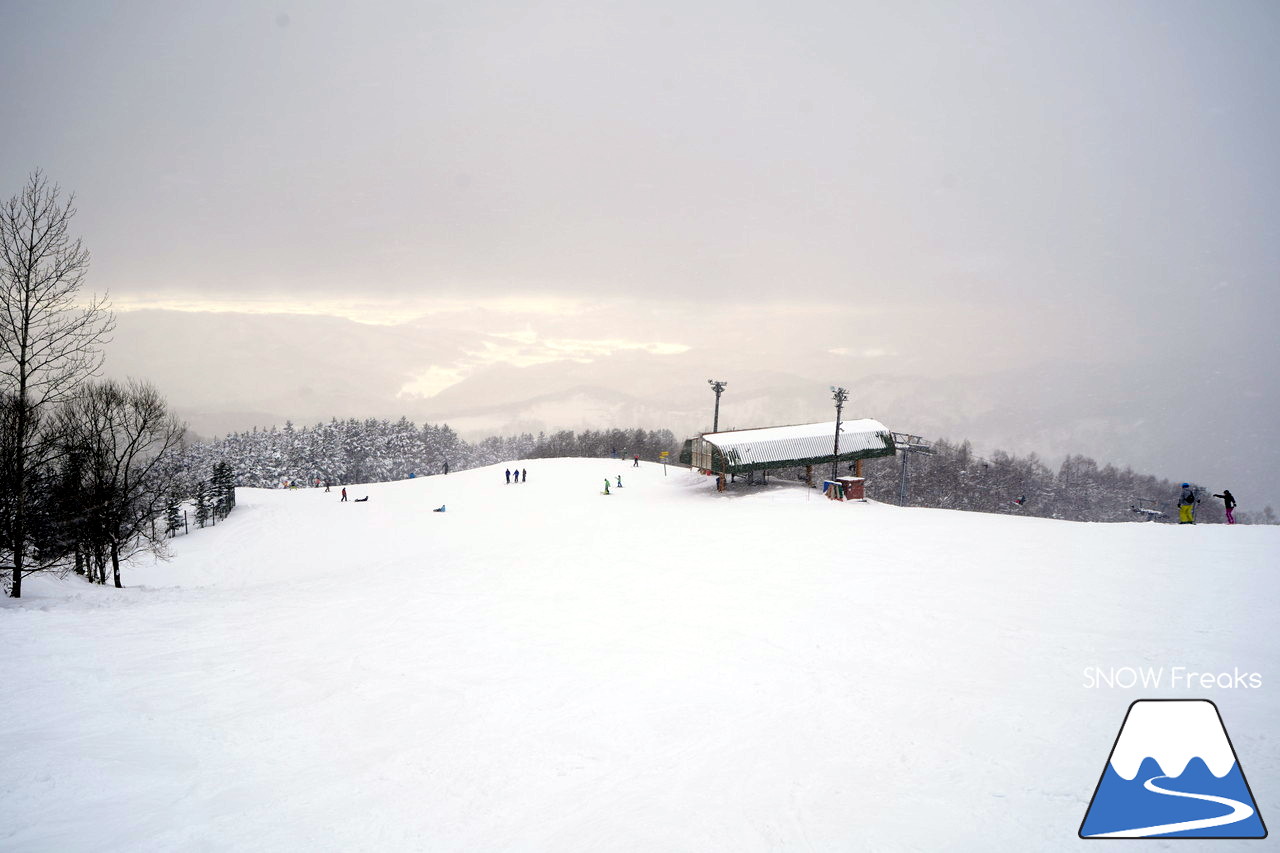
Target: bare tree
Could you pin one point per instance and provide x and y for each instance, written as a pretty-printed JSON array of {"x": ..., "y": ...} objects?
[
  {"x": 50, "y": 342},
  {"x": 131, "y": 441}
]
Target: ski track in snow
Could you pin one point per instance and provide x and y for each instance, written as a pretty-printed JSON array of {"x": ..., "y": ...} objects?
[
  {"x": 540, "y": 668},
  {"x": 1239, "y": 811}
]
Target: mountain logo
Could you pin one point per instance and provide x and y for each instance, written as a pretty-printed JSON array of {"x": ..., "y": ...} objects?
[{"x": 1173, "y": 773}]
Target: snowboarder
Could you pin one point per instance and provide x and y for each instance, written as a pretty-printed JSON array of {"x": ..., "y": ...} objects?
[
  {"x": 344, "y": 494},
  {"x": 524, "y": 475},
  {"x": 606, "y": 485},
  {"x": 508, "y": 476},
  {"x": 1020, "y": 500},
  {"x": 362, "y": 500},
  {"x": 1230, "y": 500},
  {"x": 1187, "y": 505},
  {"x": 636, "y": 463}
]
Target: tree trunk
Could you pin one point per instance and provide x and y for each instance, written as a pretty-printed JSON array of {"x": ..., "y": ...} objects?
[
  {"x": 115, "y": 565},
  {"x": 79, "y": 560},
  {"x": 20, "y": 492}
]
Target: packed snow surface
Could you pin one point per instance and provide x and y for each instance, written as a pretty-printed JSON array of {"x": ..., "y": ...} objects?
[{"x": 542, "y": 667}]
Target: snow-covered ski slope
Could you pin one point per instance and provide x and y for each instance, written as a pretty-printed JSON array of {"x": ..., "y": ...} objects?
[{"x": 543, "y": 668}]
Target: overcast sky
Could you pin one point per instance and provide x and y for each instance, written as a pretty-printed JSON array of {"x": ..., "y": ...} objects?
[{"x": 827, "y": 189}]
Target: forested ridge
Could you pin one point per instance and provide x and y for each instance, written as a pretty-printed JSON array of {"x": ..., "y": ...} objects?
[
  {"x": 953, "y": 476},
  {"x": 376, "y": 451}
]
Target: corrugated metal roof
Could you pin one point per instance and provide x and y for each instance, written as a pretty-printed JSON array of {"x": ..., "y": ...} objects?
[{"x": 765, "y": 447}]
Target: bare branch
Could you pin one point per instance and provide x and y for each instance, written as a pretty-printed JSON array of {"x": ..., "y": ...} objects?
[{"x": 50, "y": 343}]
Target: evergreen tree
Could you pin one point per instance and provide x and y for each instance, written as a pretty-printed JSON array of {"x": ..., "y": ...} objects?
[
  {"x": 201, "y": 500},
  {"x": 172, "y": 517}
]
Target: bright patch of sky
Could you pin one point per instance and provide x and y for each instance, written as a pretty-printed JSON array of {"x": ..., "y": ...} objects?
[{"x": 373, "y": 310}]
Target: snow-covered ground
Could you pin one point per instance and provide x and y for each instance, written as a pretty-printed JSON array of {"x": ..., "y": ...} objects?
[{"x": 542, "y": 668}]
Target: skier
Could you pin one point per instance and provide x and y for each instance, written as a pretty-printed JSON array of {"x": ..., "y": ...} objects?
[
  {"x": 636, "y": 463},
  {"x": 1187, "y": 505},
  {"x": 508, "y": 476},
  {"x": 619, "y": 481},
  {"x": 326, "y": 486},
  {"x": 606, "y": 485},
  {"x": 1230, "y": 500},
  {"x": 524, "y": 475},
  {"x": 344, "y": 494}
]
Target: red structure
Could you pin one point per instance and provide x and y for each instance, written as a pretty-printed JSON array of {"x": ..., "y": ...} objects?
[{"x": 845, "y": 489}]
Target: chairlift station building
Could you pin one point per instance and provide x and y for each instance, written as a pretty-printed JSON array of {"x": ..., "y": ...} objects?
[{"x": 798, "y": 445}]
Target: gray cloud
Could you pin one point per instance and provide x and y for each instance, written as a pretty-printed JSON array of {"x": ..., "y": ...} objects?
[{"x": 829, "y": 191}]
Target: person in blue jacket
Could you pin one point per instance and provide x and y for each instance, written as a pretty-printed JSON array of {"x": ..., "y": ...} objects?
[{"x": 1187, "y": 505}]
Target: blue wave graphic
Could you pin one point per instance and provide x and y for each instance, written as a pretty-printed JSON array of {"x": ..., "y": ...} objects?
[{"x": 1120, "y": 805}]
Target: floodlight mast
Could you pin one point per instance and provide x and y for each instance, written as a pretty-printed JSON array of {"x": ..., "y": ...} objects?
[
  {"x": 839, "y": 395},
  {"x": 718, "y": 387}
]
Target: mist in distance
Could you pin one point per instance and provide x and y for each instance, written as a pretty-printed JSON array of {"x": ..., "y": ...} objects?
[{"x": 1046, "y": 226}]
